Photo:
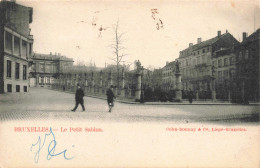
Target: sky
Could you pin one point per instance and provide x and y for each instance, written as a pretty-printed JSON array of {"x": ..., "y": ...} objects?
[{"x": 154, "y": 32}]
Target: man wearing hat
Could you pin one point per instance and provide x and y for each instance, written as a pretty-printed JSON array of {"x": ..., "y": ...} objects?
[
  {"x": 79, "y": 98},
  {"x": 110, "y": 98}
]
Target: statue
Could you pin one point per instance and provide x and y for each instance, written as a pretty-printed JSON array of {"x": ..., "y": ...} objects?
[
  {"x": 177, "y": 67},
  {"x": 138, "y": 66}
]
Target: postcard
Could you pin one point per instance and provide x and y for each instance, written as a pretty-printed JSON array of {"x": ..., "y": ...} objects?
[{"x": 120, "y": 83}]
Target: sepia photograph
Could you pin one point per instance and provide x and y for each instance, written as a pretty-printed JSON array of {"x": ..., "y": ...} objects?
[{"x": 129, "y": 83}]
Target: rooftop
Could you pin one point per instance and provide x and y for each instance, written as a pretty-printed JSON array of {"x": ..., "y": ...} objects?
[{"x": 51, "y": 57}]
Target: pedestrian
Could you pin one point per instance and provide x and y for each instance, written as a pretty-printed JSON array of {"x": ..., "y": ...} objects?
[
  {"x": 79, "y": 98},
  {"x": 190, "y": 95},
  {"x": 110, "y": 98}
]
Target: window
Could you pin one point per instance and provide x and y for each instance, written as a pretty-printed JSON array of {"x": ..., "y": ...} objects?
[
  {"x": 42, "y": 67},
  {"x": 30, "y": 49},
  {"x": 225, "y": 75},
  {"x": 25, "y": 88},
  {"x": 226, "y": 62},
  {"x": 203, "y": 51},
  {"x": 220, "y": 63},
  {"x": 24, "y": 48},
  {"x": 17, "y": 71},
  {"x": 42, "y": 80},
  {"x": 246, "y": 54},
  {"x": 49, "y": 69},
  {"x": 9, "y": 87},
  {"x": 208, "y": 59},
  {"x": 220, "y": 75},
  {"x": 232, "y": 73},
  {"x": 24, "y": 72},
  {"x": 48, "y": 80},
  {"x": 8, "y": 41},
  {"x": 9, "y": 69},
  {"x": 198, "y": 52},
  {"x": 17, "y": 45},
  {"x": 17, "y": 88},
  {"x": 232, "y": 60}
]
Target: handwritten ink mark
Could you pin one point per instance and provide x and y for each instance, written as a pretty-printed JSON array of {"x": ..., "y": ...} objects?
[{"x": 51, "y": 148}]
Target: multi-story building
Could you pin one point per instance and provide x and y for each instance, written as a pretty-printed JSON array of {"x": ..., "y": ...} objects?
[
  {"x": 16, "y": 45},
  {"x": 224, "y": 62},
  {"x": 196, "y": 63},
  {"x": 247, "y": 68},
  {"x": 44, "y": 68},
  {"x": 168, "y": 76}
]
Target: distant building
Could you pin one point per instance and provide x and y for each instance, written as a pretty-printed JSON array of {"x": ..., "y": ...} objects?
[
  {"x": 44, "y": 68},
  {"x": 168, "y": 76},
  {"x": 247, "y": 68},
  {"x": 196, "y": 63},
  {"x": 16, "y": 45}
]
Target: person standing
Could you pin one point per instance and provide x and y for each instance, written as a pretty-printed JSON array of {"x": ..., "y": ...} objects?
[
  {"x": 110, "y": 98},
  {"x": 79, "y": 98}
]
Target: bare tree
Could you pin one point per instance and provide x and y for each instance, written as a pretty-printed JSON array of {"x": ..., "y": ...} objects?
[{"x": 118, "y": 47}]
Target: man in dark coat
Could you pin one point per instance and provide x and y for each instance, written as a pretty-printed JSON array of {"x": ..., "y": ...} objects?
[
  {"x": 110, "y": 98},
  {"x": 79, "y": 98}
]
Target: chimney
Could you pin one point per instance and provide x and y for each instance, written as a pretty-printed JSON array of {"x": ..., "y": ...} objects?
[
  {"x": 191, "y": 44},
  {"x": 244, "y": 35},
  {"x": 219, "y": 33},
  {"x": 199, "y": 40}
]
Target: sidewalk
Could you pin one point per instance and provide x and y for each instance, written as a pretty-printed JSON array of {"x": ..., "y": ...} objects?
[{"x": 184, "y": 102}]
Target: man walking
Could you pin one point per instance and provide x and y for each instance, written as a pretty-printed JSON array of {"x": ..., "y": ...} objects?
[
  {"x": 110, "y": 98},
  {"x": 79, "y": 98}
]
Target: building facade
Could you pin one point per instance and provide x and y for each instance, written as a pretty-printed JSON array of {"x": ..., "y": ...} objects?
[
  {"x": 168, "y": 76},
  {"x": 45, "y": 68},
  {"x": 247, "y": 69},
  {"x": 196, "y": 64},
  {"x": 224, "y": 62},
  {"x": 16, "y": 45}
]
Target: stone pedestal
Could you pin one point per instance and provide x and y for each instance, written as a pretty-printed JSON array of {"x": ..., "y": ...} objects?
[
  {"x": 138, "y": 87},
  {"x": 178, "y": 93}
]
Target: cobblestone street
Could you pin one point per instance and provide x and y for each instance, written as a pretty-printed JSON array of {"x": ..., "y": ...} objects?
[{"x": 42, "y": 103}]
